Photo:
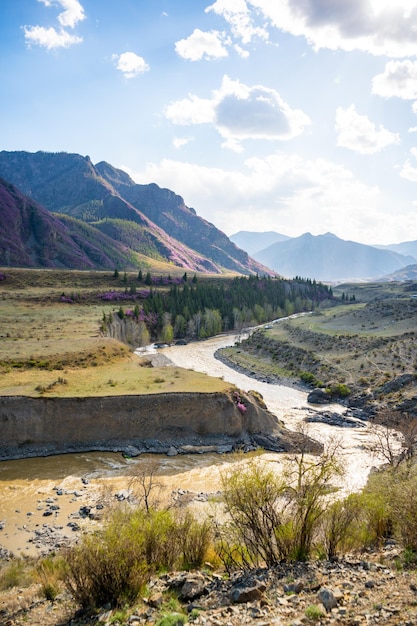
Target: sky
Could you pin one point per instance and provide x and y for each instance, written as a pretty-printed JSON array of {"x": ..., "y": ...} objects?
[{"x": 286, "y": 115}]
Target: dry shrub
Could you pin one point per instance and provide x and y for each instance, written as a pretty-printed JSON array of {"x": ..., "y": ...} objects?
[
  {"x": 50, "y": 573},
  {"x": 196, "y": 540},
  {"x": 274, "y": 518},
  {"x": 15, "y": 573},
  {"x": 337, "y": 525},
  {"x": 114, "y": 564}
]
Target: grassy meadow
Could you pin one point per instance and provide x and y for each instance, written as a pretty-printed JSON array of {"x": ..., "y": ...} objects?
[{"x": 50, "y": 347}]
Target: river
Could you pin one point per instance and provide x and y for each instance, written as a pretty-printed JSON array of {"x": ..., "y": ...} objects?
[
  {"x": 289, "y": 404},
  {"x": 64, "y": 483}
]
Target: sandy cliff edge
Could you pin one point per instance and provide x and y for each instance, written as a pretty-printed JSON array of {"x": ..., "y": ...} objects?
[{"x": 189, "y": 422}]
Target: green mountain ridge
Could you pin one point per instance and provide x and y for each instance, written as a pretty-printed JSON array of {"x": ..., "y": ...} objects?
[{"x": 71, "y": 185}]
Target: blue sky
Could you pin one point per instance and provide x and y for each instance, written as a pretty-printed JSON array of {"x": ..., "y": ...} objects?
[{"x": 285, "y": 115}]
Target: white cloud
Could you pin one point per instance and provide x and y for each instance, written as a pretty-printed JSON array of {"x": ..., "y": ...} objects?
[
  {"x": 240, "y": 19},
  {"x": 281, "y": 192},
  {"x": 72, "y": 14},
  {"x": 179, "y": 142},
  {"x": 239, "y": 112},
  {"x": 130, "y": 64},
  {"x": 51, "y": 38},
  {"x": 356, "y": 132},
  {"x": 241, "y": 52},
  {"x": 409, "y": 169},
  {"x": 199, "y": 45},
  {"x": 191, "y": 110},
  {"x": 399, "y": 79},
  {"x": 379, "y": 27}
]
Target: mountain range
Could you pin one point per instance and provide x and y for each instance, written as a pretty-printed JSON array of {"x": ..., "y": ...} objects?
[
  {"x": 327, "y": 257},
  {"x": 60, "y": 210}
]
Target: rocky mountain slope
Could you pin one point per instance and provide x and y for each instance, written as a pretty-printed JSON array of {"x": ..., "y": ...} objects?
[
  {"x": 164, "y": 227},
  {"x": 30, "y": 236}
]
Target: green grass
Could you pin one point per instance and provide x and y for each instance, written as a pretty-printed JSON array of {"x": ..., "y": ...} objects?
[
  {"x": 122, "y": 377},
  {"x": 43, "y": 340}
]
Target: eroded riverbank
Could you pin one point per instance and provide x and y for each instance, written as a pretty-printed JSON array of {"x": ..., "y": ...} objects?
[{"x": 27, "y": 484}]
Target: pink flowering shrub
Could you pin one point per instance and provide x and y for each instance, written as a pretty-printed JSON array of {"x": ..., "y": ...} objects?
[{"x": 239, "y": 403}]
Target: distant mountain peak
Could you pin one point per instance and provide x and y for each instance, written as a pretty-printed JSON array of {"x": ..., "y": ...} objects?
[{"x": 328, "y": 258}]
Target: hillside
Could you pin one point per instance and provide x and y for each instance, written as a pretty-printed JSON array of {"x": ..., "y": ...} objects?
[
  {"x": 70, "y": 184},
  {"x": 328, "y": 258},
  {"x": 405, "y": 274},
  {"x": 30, "y": 236}
]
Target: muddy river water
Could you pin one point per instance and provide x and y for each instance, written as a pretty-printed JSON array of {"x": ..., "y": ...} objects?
[{"x": 48, "y": 492}]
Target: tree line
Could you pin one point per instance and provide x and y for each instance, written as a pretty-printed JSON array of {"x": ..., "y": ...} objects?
[{"x": 197, "y": 310}]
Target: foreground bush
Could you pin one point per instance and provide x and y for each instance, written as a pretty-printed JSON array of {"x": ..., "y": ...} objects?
[
  {"x": 113, "y": 565},
  {"x": 254, "y": 499},
  {"x": 389, "y": 506},
  {"x": 277, "y": 517}
]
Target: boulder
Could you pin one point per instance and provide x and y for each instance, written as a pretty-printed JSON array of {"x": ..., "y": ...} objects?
[
  {"x": 241, "y": 592},
  {"x": 193, "y": 587},
  {"x": 327, "y": 598},
  {"x": 319, "y": 396}
]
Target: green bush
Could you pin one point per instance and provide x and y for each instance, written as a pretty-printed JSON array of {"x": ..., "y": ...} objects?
[
  {"x": 339, "y": 390},
  {"x": 337, "y": 525},
  {"x": 403, "y": 508},
  {"x": 253, "y": 498},
  {"x": 275, "y": 518},
  {"x": 50, "y": 572},
  {"x": 172, "y": 619},
  {"x": 15, "y": 573},
  {"x": 308, "y": 377},
  {"x": 314, "y": 613},
  {"x": 115, "y": 563},
  {"x": 196, "y": 540}
]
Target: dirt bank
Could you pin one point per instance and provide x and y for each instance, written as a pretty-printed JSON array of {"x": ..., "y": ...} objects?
[{"x": 176, "y": 422}]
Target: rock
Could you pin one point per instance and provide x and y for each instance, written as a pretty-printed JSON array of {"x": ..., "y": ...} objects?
[
  {"x": 319, "y": 396},
  {"x": 294, "y": 587},
  {"x": 397, "y": 383},
  {"x": 156, "y": 600},
  {"x": 172, "y": 451},
  {"x": 334, "y": 419},
  {"x": 327, "y": 598},
  {"x": 193, "y": 587},
  {"x": 123, "y": 494},
  {"x": 247, "y": 593},
  {"x": 84, "y": 511},
  {"x": 267, "y": 442},
  {"x": 131, "y": 451}
]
